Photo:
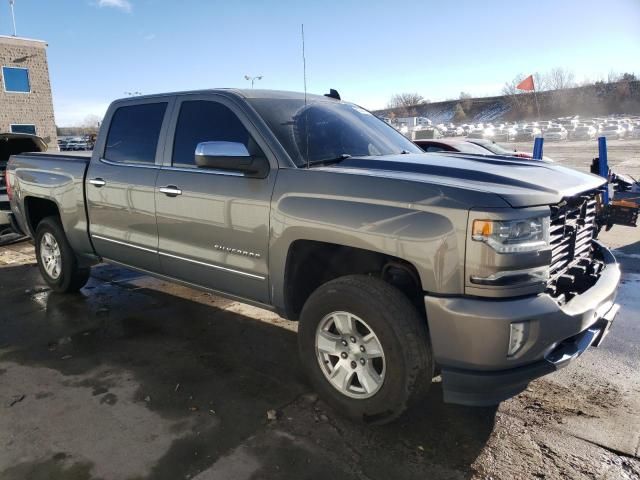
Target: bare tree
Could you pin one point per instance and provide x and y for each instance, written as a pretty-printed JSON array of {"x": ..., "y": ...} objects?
[
  {"x": 540, "y": 82},
  {"x": 509, "y": 89},
  {"x": 459, "y": 114},
  {"x": 91, "y": 124},
  {"x": 406, "y": 101},
  {"x": 560, "y": 79},
  {"x": 613, "y": 76},
  {"x": 521, "y": 101},
  {"x": 466, "y": 100}
]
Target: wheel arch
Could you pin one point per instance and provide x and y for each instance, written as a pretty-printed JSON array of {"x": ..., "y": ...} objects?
[
  {"x": 311, "y": 263},
  {"x": 37, "y": 209}
]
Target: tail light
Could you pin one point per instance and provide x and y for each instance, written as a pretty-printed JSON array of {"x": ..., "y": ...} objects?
[{"x": 8, "y": 184}]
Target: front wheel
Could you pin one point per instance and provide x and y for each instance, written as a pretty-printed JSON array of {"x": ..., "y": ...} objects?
[
  {"x": 56, "y": 260},
  {"x": 365, "y": 348}
]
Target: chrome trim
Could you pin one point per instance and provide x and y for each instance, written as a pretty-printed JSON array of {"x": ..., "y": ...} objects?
[
  {"x": 221, "y": 149},
  {"x": 211, "y": 265},
  {"x": 98, "y": 182},
  {"x": 170, "y": 190},
  {"x": 100, "y": 237},
  {"x": 134, "y": 165},
  {"x": 238, "y": 251},
  {"x": 210, "y": 171}
]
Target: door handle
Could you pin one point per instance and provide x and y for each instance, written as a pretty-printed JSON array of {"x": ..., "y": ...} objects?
[
  {"x": 170, "y": 191},
  {"x": 98, "y": 182}
]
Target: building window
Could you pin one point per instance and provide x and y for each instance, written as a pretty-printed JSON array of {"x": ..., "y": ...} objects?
[
  {"x": 23, "y": 128},
  {"x": 16, "y": 79}
]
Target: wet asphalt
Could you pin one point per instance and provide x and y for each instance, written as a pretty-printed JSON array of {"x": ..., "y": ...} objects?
[{"x": 136, "y": 378}]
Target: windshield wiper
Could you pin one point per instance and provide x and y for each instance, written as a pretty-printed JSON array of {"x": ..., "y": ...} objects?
[{"x": 327, "y": 161}]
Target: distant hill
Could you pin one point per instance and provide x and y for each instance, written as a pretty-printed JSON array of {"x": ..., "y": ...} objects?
[{"x": 592, "y": 100}]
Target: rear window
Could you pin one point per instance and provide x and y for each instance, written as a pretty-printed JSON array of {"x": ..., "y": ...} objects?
[{"x": 134, "y": 133}]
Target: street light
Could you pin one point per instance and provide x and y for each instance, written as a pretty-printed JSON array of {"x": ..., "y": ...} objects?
[{"x": 253, "y": 79}]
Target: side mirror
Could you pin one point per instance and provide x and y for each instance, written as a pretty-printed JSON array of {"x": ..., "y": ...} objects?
[{"x": 232, "y": 156}]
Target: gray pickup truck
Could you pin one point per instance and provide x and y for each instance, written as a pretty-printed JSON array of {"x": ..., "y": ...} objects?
[{"x": 398, "y": 264}]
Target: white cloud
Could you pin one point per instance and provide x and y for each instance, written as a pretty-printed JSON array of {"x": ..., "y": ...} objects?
[
  {"x": 124, "y": 5},
  {"x": 149, "y": 37}
]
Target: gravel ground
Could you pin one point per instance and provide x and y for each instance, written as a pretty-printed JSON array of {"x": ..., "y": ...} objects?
[{"x": 136, "y": 378}]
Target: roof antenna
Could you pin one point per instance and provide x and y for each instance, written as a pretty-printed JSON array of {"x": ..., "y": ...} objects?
[
  {"x": 304, "y": 76},
  {"x": 304, "y": 68}
]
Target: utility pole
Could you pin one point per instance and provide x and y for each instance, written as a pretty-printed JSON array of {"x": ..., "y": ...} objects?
[
  {"x": 13, "y": 17},
  {"x": 252, "y": 79}
]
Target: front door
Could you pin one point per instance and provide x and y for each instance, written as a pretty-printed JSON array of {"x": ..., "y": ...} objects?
[
  {"x": 213, "y": 225},
  {"x": 120, "y": 186}
]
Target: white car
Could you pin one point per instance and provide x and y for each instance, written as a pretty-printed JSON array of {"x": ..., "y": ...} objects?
[
  {"x": 613, "y": 132},
  {"x": 583, "y": 132},
  {"x": 555, "y": 133}
]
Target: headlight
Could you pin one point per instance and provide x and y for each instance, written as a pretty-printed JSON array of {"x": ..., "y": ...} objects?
[{"x": 525, "y": 235}]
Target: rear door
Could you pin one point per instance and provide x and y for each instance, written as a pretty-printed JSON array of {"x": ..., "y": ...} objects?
[
  {"x": 215, "y": 231},
  {"x": 120, "y": 184}
]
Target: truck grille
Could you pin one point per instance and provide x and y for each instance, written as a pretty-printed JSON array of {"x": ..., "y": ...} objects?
[{"x": 574, "y": 266}]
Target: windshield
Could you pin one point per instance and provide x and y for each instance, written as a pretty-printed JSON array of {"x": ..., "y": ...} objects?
[{"x": 328, "y": 130}]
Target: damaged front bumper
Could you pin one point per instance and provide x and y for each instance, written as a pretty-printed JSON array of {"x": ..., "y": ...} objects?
[{"x": 470, "y": 337}]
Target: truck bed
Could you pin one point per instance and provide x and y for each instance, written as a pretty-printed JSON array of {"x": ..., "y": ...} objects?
[{"x": 56, "y": 178}]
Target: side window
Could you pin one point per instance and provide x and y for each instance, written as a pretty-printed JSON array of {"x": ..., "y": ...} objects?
[
  {"x": 134, "y": 133},
  {"x": 206, "y": 121}
]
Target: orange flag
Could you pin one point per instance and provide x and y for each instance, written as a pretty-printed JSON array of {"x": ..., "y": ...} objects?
[{"x": 526, "y": 84}]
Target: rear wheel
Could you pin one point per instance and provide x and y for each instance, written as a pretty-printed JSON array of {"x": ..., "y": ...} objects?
[
  {"x": 365, "y": 348},
  {"x": 56, "y": 260}
]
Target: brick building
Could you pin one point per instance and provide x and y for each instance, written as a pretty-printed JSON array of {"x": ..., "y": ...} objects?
[{"x": 26, "y": 105}]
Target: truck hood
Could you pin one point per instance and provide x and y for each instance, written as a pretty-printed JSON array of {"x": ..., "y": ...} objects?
[{"x": 520, "y": 182}]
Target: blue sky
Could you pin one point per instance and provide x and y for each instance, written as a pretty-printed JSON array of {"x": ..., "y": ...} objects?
[{"x": 368, "y": 50}]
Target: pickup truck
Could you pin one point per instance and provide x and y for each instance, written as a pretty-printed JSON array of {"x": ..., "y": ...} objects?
[{"x": 398, "y": 264}]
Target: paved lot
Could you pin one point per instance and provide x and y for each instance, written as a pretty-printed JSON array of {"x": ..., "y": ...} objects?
[
  {"x": 624, "y": 155},
  {"x": 136, "y": 378}
]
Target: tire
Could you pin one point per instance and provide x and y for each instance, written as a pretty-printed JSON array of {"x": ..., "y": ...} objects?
[
  {"x": 369, "y": 305},
  {"x": 52, "y": 247}
]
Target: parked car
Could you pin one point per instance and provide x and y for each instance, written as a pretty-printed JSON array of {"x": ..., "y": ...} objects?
[
  {"x": 583, "y": 132},
  {"x": 628, "y": 128},
  {"x": 527, "y": 134},
  {"x": 479, "y": 133},
  {"x": 454, "y": 131},
  {"x": 394, "y": 262},
  {"x": 474, "y": 146},
  {"x": 505, "y": 134},
  {"x": 612, "y": 131},
  {"x": 555, "y": 133}
]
